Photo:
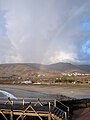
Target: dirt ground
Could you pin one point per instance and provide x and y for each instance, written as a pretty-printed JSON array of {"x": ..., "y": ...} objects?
[{"x": 82, "y": 114}]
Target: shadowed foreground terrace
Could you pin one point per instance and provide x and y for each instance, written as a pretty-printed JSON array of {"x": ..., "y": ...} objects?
[{"x": 40, "y": 109}]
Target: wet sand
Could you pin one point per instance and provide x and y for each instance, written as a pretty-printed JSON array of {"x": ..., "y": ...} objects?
[{"x": 73, "y": 91}]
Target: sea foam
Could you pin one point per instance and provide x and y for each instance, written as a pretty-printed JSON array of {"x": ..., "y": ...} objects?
[{"x": 7, "y": 94}]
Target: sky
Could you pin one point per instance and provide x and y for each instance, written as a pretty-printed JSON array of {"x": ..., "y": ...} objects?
[{"x": 45, "y": 31}]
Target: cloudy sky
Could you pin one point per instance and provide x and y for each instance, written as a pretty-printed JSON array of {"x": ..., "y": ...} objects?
[{"x": 45, "y": 31}]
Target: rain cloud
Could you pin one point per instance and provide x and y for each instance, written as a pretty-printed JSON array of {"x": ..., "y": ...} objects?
[{"x": 46, "y": 31}]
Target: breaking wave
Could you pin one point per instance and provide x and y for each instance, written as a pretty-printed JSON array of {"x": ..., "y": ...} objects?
[{"x": 7, "y": 94}]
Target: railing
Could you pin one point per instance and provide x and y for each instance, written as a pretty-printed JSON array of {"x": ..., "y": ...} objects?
[
  {"x": 64, "y": 108},
  {"x": 35, "y": 106}
]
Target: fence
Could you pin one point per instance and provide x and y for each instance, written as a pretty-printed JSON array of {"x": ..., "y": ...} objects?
[{"x": 26, "y": 108}]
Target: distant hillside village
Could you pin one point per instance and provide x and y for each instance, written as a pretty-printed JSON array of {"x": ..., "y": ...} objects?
[
  {"x": 32, "y": 73},
  {"x": 47, "y": 78}
]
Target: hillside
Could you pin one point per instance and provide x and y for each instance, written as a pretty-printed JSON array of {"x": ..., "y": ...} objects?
[
  {"x": 62, "y": 67},
  {"x": 23, "y": 68},
  {"x": 37, "y": 72}
]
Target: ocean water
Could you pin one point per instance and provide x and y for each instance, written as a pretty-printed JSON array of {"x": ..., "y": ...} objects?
[
  {"x": 6, "y": 94},
  {"x": 2, "y": 95}
]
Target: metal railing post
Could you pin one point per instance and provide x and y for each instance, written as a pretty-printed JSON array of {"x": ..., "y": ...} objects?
[
  {"x": 11, "y": 115},
  {"x": 49, "y": 107},
  {"x": 66, "y": 116},
  {"x": 23, "y": 103},
  {"x": 49, "y": 115},
  {"x": 54, "y": 102}
]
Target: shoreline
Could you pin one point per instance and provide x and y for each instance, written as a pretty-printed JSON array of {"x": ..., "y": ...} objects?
[
  {"x": 25, "y": 92},
  {"x": 48, "y": 91},
  {"x": 72, "y": 91}
]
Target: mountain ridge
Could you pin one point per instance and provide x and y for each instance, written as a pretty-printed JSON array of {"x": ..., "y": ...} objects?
[{"x": 61, "y": 67}]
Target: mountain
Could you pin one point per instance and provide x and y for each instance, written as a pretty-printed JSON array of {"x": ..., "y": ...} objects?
[
  {"x": 85, "y": 68},
  {"x": 25, "y": 68},
  {"x": 62, "y": 67}
]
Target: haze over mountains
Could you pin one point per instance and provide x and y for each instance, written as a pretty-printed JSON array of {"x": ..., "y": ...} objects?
[{"x": 27, "y": 67}]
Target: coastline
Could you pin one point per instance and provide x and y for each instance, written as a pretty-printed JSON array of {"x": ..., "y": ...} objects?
[
  {"x": 72, "y": 91},
  {"x": 33, "y": 91}
]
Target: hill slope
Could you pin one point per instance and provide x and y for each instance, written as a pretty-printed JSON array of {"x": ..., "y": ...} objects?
[
  {"x": 24, "y": 68},
  {"x": 62, "y": 67}
]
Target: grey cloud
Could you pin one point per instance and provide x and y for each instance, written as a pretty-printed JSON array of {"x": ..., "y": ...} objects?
[
  {"x": 5, "y": 48},
  {"x": 45, "y": 31}
]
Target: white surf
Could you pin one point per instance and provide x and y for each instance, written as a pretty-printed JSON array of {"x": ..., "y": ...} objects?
[{"x": 7, "y": 94}]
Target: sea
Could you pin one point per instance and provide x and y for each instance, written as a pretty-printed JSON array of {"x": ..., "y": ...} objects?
[
  {"x": 71, "y": 94},
  {"x": 5, "y": 94}
]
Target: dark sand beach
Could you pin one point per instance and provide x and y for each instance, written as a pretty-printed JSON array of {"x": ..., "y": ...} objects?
[{"x": 73, "y": 91}]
